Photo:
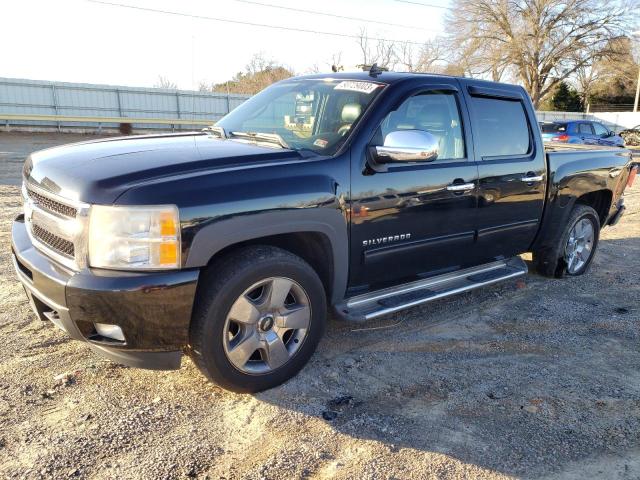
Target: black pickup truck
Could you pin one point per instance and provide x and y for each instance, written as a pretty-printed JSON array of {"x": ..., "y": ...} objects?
[{"x": 363, "y": 193}]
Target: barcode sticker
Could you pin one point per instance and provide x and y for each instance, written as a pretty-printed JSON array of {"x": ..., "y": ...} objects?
[{"x": 354, "y": 86}]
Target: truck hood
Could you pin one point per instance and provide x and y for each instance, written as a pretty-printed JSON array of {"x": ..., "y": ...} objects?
[{"x": 100, "y": 171}]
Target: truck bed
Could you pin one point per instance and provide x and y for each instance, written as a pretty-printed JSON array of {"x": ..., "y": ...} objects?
[{"x": 563, "y": 147}]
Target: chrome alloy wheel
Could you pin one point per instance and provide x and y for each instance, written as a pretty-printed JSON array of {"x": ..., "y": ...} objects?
[
  {"x": 266, "y": 325},
  {"x": 579, "y": 245}
]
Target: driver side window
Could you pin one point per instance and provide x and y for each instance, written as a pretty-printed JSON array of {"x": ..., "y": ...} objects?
[{"x": 433, "y": 112}]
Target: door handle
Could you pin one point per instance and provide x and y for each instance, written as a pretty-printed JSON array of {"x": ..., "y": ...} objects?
[
  {"x": 531, "y": 179},
  {"x": 460, "y": 187}
]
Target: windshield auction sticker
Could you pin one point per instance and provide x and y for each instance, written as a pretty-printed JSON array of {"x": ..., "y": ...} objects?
[{"x": 352, "y": 85}]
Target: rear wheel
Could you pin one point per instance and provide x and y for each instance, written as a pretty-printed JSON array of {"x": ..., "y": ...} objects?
[
  {"x": 573, "y": 250},
  {"x": 259, "y": 317}
]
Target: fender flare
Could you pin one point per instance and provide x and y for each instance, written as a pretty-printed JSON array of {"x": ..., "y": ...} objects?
[{"x": 223, "y": 233}]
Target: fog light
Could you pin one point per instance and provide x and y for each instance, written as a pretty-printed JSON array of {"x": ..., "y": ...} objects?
[{"x": 107, "y": 330}]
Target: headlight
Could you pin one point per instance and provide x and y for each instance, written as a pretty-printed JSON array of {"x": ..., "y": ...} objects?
[{"x": 132, "y": 238}]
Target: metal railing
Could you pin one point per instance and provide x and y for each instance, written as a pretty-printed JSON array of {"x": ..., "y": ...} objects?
[
  {"x": 35, "y": 103},
  {"x": 8, "y": 118}
]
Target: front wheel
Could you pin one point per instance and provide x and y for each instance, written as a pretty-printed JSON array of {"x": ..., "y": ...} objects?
[
  {"x": 574, "y": 248},
  {"x": 259, "y": 317}
]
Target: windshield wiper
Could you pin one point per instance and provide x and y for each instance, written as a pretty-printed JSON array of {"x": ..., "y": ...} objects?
[
  {"x": 217, "y": 130},
  {"x": 259, "y": 136}
]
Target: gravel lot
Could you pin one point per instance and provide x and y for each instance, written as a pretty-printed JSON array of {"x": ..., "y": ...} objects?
[{"x": 535, "y": 379}]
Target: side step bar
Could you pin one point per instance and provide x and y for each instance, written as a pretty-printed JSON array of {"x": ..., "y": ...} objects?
[{"x": 390, "y": 300}]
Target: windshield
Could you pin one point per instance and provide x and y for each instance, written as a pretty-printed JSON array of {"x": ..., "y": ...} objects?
[{"x": 314, "y": 115}]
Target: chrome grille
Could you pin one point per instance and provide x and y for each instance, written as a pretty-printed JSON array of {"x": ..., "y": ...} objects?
[
  {"x": 57, "y": 225},
  {"x": 51, "y": 205},
  {"x": 56, "y": 243}
]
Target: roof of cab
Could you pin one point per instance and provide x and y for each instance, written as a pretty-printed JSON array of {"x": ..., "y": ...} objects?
[
  {"x": 390, "y": 77},
  {"x": 384, "y": 77}
]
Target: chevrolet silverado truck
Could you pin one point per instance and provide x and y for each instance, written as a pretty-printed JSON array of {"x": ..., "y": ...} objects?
[{"x": 359, "y": 194}]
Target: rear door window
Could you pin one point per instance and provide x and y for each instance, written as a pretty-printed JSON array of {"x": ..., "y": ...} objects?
[
  {"x": 501, "y": 127},
  {"x": 585, "y": 129}
]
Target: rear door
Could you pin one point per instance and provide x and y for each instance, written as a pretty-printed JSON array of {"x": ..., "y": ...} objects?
[
  {"x": 511, "y": 168},
  {"x": 586, "y": 133}
]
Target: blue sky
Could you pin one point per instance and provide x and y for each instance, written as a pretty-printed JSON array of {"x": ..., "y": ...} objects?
[{"x": 80, "y": 41}]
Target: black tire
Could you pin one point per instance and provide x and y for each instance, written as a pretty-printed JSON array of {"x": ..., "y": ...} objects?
[
  {"x": 221, "y": 285},
  {"x": 551, "y": 262}
]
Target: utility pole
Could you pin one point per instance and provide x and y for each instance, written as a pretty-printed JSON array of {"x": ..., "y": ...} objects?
[
  {"x": 635, "y": 104},
  {"x": 636, "y": 35}
]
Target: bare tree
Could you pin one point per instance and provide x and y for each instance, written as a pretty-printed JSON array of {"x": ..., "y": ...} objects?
[
  {"x": 539, "y": 43},
  {"x": 314, "y": 68},
  {"x": 164, "y": 82},
  {"x": 336, "y": 62},
  {"x": 382, "y": 52},
  {"x": 429, "y": 57},
  {"x": 204, "y": 86},
  {"x": 617, "y": 74}
]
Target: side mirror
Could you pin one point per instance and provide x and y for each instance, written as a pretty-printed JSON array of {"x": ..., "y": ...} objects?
[{"x": 407, "y": 146}]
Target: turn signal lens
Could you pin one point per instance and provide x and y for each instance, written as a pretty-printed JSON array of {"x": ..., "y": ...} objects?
[
  {"x": 168, "y": 253},
  {"x": 168, "y": 225}
]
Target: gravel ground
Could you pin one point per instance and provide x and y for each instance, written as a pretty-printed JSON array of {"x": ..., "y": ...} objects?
[{"x": 536, "y": 379}]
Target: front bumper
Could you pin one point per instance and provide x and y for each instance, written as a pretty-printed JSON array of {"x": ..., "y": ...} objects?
[{"x": 153, "y": 309}]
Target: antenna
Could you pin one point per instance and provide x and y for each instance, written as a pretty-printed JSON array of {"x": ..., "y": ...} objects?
[{"x": 374, "y": 70}]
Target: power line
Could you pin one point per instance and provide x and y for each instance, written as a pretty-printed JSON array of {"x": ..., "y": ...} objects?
[
  {"x": 333, "y": 15},
  {"x": 251, "y": 24},
  {"x": 424, "y": 4}
]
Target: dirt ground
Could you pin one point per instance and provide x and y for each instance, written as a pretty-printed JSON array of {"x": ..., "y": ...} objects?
[{"x": 537, "y": 379}]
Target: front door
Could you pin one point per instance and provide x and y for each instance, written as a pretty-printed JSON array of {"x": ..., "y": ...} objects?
[
  {"x": 416, "y": 218},
  {"x": 602, "y": 135}
]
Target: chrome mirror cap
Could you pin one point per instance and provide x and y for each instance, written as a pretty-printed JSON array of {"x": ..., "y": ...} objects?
[{"x": 408, "y": 146}]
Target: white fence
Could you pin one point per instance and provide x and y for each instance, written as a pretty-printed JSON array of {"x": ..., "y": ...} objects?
[
  {"x": 616, "y": 121},
  {"x": 79, "y": 100}
]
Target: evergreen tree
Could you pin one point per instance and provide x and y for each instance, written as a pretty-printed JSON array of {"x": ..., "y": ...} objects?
[{"x": 566, "y": 99}]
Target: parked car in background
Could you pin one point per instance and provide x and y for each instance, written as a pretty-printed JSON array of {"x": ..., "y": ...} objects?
[
  {"x": 580, "y": 131},
  {"x": 631, "y": 136}
]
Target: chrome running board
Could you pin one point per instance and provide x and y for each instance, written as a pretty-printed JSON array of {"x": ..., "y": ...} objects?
[{"x": 390, "y": 300}]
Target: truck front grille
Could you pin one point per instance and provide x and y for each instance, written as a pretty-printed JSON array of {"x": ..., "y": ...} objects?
[
  {"x": 54, "y": 242},
  {"x": 57, "y": 225},
  {"x": 51, "y": 205}
]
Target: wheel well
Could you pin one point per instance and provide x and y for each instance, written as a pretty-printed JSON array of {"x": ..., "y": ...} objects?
[
  {"x": 312, "y": 247},
  {"x": 600, "y": 201}
]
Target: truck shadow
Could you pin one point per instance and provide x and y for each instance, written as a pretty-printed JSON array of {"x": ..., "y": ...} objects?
[{"x": 520, "y": 378}]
